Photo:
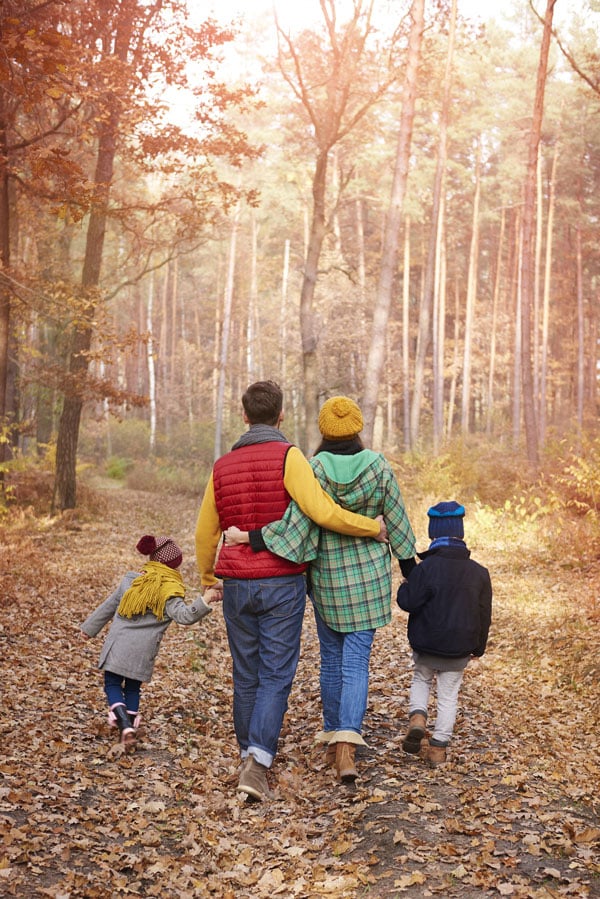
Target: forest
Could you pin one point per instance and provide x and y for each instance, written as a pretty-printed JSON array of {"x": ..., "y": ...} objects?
[
  {"x": 400, "y": 205},
  {"x": 397, "y": 200}
]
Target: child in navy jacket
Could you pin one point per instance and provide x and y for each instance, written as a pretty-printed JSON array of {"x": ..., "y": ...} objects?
[{"x": 449, "y": 600}]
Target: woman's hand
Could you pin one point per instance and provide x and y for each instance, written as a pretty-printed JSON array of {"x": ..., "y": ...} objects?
[{"x": 234, "y": 537}]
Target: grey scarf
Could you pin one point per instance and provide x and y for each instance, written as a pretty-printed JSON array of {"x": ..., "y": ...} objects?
[{"x": 260, "y": 434}]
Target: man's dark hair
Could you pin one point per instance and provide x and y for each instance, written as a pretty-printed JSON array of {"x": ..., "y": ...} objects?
[{"x": 263, "y": 402}]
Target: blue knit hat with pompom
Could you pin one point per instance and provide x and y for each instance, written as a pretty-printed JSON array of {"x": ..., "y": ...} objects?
[{"x": 446, "y": 520}]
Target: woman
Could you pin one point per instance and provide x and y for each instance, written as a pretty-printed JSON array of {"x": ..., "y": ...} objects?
[{"x": 350, "y": 577}]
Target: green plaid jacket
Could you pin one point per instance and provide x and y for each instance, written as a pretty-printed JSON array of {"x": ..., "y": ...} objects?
[{"x": 351, "y": 576}]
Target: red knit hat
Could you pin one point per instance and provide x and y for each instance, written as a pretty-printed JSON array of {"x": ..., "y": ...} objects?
[{"x": 160, "y": 549}]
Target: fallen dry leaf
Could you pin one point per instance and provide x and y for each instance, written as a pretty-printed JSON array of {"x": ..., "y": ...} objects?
[{"x": 514, "y": 812}]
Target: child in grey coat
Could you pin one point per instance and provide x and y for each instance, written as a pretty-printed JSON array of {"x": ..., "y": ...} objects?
[{"x": 141, "y": 609}]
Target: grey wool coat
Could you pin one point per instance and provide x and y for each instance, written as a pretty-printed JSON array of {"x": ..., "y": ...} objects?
[{"x": 132, "y": 644}]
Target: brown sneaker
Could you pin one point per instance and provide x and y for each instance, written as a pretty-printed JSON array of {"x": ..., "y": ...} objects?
[
  {"x": 416, "y": 731},
  {"x": 253, "y": 780}
]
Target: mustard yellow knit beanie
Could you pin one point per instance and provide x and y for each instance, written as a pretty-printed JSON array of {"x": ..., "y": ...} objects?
[{"x": 339, "y": 418}]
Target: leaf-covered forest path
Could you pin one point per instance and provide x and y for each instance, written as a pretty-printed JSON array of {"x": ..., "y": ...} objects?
[{"x": 513, "y": 813}]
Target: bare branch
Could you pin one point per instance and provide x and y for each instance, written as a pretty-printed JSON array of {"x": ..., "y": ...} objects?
[{"x": 594, "y": 84}]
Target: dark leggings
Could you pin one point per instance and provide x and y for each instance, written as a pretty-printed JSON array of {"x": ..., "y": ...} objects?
[{"x": 122, "y": 689}]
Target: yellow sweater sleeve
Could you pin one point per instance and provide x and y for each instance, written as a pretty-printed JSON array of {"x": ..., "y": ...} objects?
[
  {"x": 208, "y": 534},
  {"x": 302, "y": 485}
]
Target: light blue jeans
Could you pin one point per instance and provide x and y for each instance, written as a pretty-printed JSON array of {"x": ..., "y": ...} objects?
[
  {"x": 448, "y": 686},
  {"x": 264, "y": 623},
  {"x": 344, "y": 677}
]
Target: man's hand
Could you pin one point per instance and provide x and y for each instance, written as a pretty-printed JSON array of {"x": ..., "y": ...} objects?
[
  {"x": 213, "y": 594},
  {"x": 233, "y": 536},
  {"x": 383, "y": 532}
]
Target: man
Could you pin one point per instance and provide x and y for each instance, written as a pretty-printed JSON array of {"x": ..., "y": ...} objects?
[{"x": 264, "y": 595}]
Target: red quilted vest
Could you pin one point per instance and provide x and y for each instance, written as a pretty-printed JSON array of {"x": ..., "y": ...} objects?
[{"x": 249, "y": 492}]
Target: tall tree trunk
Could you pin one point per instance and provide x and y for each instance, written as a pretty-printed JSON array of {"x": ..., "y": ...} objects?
[
  {"x": 376, "y": 357},
  {"x": 494, "y": 326},
  {"x": 580, "y": 332},
  {"x": 546, "y": 297},
  {"x": 424, "y": 332},
  {"x": 455, "y": 358},
  {"x": 5, "y": 293},
  {"x": 539, "y": 221},
  {"x": 406, "y": 335},
  {"x": 518, "y": 303},
  {"x": 218, "y": 335},
  {"x": 471, "y": 295},
  {"x": 172, "y": 366},
  {"x": 151, "y": 363},
  {"x": 252, "y": 303},
  {"x": 285, "y": 274},
  {"x": 527, "y": 258},
  {"x": 65, "y": 488},
  {"x": 308, "y": 322},
  {"x": 592, "y": 378},
  {"x": 358, "y": 358},
  {"x": 439, "y": 331},
  {"x": 224, "y": 349},
  {"x": 70, "y": 419}
]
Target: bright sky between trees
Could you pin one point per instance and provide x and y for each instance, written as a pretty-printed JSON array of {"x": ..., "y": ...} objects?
[{"x": 301, "y": 14}]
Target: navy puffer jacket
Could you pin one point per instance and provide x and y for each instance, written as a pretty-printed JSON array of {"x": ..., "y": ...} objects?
[{"x": 449, "y": 600}]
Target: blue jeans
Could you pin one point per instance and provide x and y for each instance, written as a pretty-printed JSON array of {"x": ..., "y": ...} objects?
[
  {"x": 344, "y": 676},
  {"x": 264, "y": 623},
  {"x": 122, "y": 689}
]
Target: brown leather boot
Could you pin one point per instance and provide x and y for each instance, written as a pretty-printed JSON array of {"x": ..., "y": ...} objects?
[
  {"x": 344, "y": 762},
  {"x": 433, "y": 755},
  {"x": 253, "y": 780},
  {"x": 416, "y": 731},
  {"x": 330, "y": 754}
]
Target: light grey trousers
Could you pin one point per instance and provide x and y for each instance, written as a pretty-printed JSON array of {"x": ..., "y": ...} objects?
[{"x": 447, "y": 689}]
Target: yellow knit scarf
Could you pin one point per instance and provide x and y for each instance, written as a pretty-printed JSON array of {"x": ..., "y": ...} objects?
[{"x": 150, "y": 591}]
